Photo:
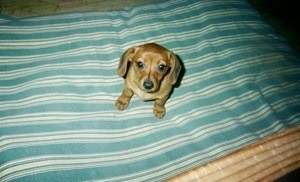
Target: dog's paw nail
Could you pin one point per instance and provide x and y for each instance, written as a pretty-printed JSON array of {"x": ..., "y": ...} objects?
[
  {"x": 121, "y": 105},
  {"x": 159, "y": 112}
]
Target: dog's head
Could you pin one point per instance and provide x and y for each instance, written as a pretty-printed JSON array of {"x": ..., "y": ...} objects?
[{"x": 151, "y": 63}]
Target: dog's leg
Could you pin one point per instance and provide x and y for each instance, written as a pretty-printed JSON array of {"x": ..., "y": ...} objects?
[
  {"x": 123, "y": 101},
  {"x": 159, "y": 109}
]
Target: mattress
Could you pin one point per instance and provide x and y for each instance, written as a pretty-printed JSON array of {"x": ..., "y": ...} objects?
[{"x": 59, "y": 82}]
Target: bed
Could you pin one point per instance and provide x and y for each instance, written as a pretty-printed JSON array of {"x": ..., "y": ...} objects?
[{"x": 233, "y": 116}]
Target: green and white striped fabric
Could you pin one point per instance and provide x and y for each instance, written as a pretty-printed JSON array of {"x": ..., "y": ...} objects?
[{"x": 59, "y": 82}]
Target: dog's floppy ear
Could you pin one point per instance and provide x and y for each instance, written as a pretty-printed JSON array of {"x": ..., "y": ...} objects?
[
  {"x": 175, "y": 68},
  {"x": 127, "y": 56}
]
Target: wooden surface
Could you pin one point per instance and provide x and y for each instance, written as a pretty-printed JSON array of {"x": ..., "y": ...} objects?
[
  {"x": 32, "y": 8},
  {"x": 266, "y": 160}
]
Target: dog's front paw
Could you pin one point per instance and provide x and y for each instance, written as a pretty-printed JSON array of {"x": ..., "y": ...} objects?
[
  {"x": 159, "y": 111},
  {"x": 121, "y": 104}
]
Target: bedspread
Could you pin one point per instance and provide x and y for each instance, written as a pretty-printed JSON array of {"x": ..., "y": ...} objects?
[{"x": 59, "y": 82}]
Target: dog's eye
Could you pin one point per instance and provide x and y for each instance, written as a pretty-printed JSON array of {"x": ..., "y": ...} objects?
[
  {"x": 140, "y": 65},
  {"x": 161, "y": 67}
]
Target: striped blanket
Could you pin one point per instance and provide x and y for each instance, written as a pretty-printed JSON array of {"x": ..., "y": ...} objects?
[{"x": 59, "y": 82}]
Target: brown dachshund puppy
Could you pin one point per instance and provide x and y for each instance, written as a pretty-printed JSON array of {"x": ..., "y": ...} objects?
[{"x": 151, "y": 71}]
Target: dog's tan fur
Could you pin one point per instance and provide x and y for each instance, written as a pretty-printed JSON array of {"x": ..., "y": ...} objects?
[{"x": 142, "y": 64}]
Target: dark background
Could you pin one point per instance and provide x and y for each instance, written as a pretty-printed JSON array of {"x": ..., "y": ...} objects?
[{"x": 284, "y": 16}]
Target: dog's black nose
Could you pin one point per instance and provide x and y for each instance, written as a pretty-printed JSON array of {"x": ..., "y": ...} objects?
[{"x": 148, "y": 85}]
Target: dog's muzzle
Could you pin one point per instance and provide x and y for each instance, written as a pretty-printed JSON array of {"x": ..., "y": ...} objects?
[{"x": 148, "y": 85}]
